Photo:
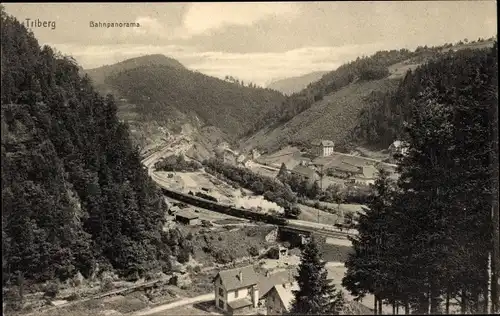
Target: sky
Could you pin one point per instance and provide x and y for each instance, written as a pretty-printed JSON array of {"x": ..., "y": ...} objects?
[{"x": 257, "y": 41}]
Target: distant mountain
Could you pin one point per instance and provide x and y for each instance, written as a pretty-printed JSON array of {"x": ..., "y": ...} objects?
[
  {"x": 99, "y": 74},
  {"x": 158, "y": 96},
  {"x": 295, "y": 84}
]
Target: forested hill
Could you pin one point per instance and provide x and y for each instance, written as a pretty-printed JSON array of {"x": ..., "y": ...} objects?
[
  {"x": 101, "y": 73},
  {"x": 75, "y": 196},
  {"x": 231, "y": 107},
  {"x": 380, "y": 123},
  {"x": 333, "y": 106}
]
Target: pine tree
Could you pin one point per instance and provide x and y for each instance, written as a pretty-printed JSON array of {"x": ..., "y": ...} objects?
[
  {"x": 366, "y": 267},
  {"x": 316, "y": 295},
  {"x": 283, "y": 173}
]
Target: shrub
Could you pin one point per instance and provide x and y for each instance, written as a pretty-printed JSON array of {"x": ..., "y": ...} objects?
[
  {"x": 253, "y": 251},
  {"x": 73, "y": 297},
  {"x": 107, "y": 285},
  {"x": 51, "y": 290},
  {"x": 183, "y": 256},
  {"x": 223, "y": 256},
  {"x": 197, "y": 269}
]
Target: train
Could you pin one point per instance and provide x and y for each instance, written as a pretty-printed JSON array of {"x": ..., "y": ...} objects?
[{"x": 225, "y": 209}]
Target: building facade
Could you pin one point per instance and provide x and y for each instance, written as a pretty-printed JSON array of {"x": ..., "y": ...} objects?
[
  {"x": 280, "y": 297},
  {"x": 323, "y": 148},
  {"x": 236, "y": 290}
]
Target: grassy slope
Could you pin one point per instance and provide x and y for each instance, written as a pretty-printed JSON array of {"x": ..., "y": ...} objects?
[
  {"x": 334, "y": 116},
  {"x": 331, "y": 118}
]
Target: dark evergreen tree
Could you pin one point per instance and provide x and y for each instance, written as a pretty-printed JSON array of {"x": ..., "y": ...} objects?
[{"x": 316, "y": 294}]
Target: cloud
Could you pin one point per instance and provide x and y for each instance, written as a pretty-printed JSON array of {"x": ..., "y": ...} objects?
[{"x": 203, "y": 17}]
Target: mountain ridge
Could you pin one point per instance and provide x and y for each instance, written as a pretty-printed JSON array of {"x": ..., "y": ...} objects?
[{"x": 295, "y": 84}]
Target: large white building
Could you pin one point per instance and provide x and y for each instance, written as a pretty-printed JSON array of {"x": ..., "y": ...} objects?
[{"x": 323, "y": 147}]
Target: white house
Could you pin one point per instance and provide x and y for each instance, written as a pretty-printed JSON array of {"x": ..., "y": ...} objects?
[
  {"x": 398, "y": 147},
  {"x": 236, "y": 290},
  {"x": 323, "y": 147}
]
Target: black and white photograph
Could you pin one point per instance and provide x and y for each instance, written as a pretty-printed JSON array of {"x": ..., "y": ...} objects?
[{"x": 250, "y": 158}]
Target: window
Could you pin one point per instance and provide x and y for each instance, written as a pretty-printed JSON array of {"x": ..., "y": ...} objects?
[
  {"x": 221, "y": 304},
  {"x": 221, "y": 292},
  {"x": 236, "y": 294}
]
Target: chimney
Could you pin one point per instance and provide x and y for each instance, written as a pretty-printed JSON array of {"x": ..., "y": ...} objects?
[{"x": 240, "y": 276}]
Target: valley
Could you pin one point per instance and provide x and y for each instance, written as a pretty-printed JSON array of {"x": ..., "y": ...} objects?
[{"x": 152, "y": 186}]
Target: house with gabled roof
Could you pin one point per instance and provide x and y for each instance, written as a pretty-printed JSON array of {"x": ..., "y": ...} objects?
[
  {"x": 236, "y": 290},
  {"x": 305, "y": 172},
  {"x": 322, "y": 147}
]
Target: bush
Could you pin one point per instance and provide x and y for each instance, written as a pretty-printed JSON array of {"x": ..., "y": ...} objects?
[
  {"x": 107, "y": 285},
  {"x": 197, "y": 269},
  {"x": 183, "y": 256},
  {"x": 73, "y": 297},
  {"x": 51, "y": 290},
  {"x": 223, "y": 256},
  {"x": 253, "y": 251},
  {"x": 292, "y": 212}
]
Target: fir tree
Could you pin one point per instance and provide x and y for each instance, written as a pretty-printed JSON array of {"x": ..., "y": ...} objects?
[{"x": 316, "y": 295}]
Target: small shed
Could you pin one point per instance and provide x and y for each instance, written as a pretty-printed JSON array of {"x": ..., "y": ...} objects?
[{"x": 187, "y": 217}]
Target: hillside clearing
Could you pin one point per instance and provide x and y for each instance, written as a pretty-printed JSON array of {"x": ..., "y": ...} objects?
[{"x": 331, "y": 118}]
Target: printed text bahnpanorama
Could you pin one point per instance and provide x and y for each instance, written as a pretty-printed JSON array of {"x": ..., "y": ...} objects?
[{"x": 113, "y": 24}]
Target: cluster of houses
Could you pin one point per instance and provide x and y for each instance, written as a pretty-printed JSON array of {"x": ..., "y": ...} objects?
[
  {"x": 243, "y": 291},
  {"x": 322, "y": 160}
]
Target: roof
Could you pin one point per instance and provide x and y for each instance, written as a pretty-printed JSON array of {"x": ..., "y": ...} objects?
[
  {"x": 267, "y": 283},
  {"x": 304, "y": 171},
  {"x": 244, "y": 302},
  {"x": 185, "y": 213},
  {"x": 326, "y": 143},
  {"x": 346, "y": 168},
  {"x": 398, "y": 143},
  {"x": 369, "y": 172},
  {"x": 286, "y": 294},
  {"x": 231, "y": 281},
  {"x": 175, "y": 208}
]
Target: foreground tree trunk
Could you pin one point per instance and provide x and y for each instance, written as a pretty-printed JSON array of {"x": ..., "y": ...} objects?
[
  {"x": 375, "y": 305},
  {"x": 380, "y": 307},
  {"x": 463, "y": 302},
  {"x": 447, "y": 301}
]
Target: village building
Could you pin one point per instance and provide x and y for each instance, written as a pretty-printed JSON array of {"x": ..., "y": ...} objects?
[
  {"x": 398, "y": 147},
  {"x": 236, "y": 290},
  {"x": 367, "y": 177},
  {"x": 255, "y": 154},
  {"x": 305, "y": 172},
  {"x": 280, "y": 297},
  {"x": 187, "y": 217},
  {"x": 239, "y": 290},
  {"x": 174, "y": 210},
  {"x": 322, "y": 147}
]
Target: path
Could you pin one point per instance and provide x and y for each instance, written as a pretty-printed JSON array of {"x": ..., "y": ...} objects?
[{"x": 183, "y": 302}]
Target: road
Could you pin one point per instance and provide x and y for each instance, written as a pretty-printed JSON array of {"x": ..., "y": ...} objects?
[{"x": 183, "y": 302}]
